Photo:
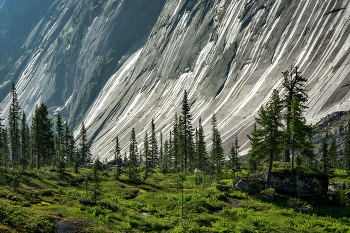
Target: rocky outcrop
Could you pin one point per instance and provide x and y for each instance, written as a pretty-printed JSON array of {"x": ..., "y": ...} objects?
[
  {"x": 246, "y": 186},
  {"x": 307, "y": 186}
]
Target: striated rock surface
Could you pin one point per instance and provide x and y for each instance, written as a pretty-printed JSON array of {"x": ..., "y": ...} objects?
[
  {"x": 229, "y": 55},
  {"x": 89, "y": 60}
]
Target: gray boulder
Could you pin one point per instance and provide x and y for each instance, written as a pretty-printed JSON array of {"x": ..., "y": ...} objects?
[
  {"x": 244, "y": 187},
  {"x": 308, "y": 186}
]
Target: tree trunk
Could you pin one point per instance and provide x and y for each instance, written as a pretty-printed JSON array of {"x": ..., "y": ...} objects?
[{"x": 268, "y": 180}]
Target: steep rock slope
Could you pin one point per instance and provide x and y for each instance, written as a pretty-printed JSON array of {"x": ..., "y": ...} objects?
[
  {"x": 17, "y": 19},
  {"x": 74, "y": 49},
  {"x": 229, "y": 55}
]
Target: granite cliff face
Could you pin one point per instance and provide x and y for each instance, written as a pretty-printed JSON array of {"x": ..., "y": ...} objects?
[
  {"x": 229, "y": 56},
  {"x": 73, "y": 50},
  {"x": 93, "y": 63}
]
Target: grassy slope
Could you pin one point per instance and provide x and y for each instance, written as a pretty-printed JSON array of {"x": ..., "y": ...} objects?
[{"x": 31, "y": 200}]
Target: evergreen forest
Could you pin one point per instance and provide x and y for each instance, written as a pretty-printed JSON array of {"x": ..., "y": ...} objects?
[{"x": 49, "y": 180}]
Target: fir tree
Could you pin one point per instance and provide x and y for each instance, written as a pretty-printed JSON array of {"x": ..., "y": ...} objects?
[
  {"x": 201, "y": 151},
  {"x": 37, "y": 138},
  {"x": 117, "y": 158},
  {"x": 14, "y": 119},
  {"x": 60, "y": 141},
  {"x": 25, "y": 139},
  {"x": 85, "y": 154},
  {"x": 175, "y": 144},
  {"x": 161, "y": 155},
  {"x": 217, "y": 153},
  {"x": 147, "y": 156},
  {"x": 270, "y": 137},
  {"x": 133, "y": 175},
  {"x": 187, "y": 134},
  {"x": 166, "y": 156},
  {"x": 300, "y": 131},
  {"x": 154, "y": 147},
  {"x": 233, "y": 162},
  {"x": 255, "y": 153},
  {"x": 294, "y": 85},
  {"x": 325, "y": 163},
  {"x": 333, "y": 153}
]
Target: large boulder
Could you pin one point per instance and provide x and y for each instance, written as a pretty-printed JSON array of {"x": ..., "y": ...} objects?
[
  {"x": 244, "y": 186},
  {"x": 308, "y": 186}
]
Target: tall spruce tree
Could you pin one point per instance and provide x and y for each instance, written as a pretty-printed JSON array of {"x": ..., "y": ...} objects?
[
  {"x": 300, "y": 131},
  {"x": 85, "y": 155},
  {"x": 255, "y": 154},
  {"x": 187, "y": 134},
  {"x": 14, "y": 119},
  {"x": 133, "y": 172},
  {"x": 294, "y": 85},
  {"x": 217, "y": 153},
  {"x": 270, "y": 136},
  {"x": 117, "y": 158},
  {"x": 166, "y": 156},
  {"x": 60, "y": 141},
  {"x": 147, "y": 156},
  {"x": 201, "y": 151},
  {"x": 176, "y": 144},
  {"x": 333, "y": 153},
  {"x": 233, "y": 162},
  {"x": 37, "y": 139},
  {"x": 25, "y": 141},
  {"x": 325, "y": 163},
  {"x": 154, "y": 147}
]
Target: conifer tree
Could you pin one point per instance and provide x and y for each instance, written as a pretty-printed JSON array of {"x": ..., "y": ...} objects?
[
  {"x": 294, "y": 85},
  {"x": 325, "y": 163},
  {"x": 201, "y": 151},
  {"x": 14, "y": 119},
  {"x": 37, "y": 138},
  {"x": 333, "y": 153},
  {"x": 255, "y": 153},
  {"x": 117, "y": 158},
  {"x": 133, "y": 175},
  {"x": 147, "y": 155},
  {"x": 187, "y": 134},
  {"x": 300, "y": 131},
  {"x": 60, "y": 141},
  {"x": 217, "y": 153},
  {"x": 161, "y": 154},
  {"x": 270, "y": 137},
  {"x": 25, "y": 139},
  {"x": 234, "y": 164},
  {"x": 176, "y": 143},
  {"x": 154, "y": 147},
  {"x": 166, "y": 156},
  {"x": 85, "y": 154}
]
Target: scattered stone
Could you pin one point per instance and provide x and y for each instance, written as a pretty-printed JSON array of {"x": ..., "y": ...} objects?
[{"x": 336, "y": 185}]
